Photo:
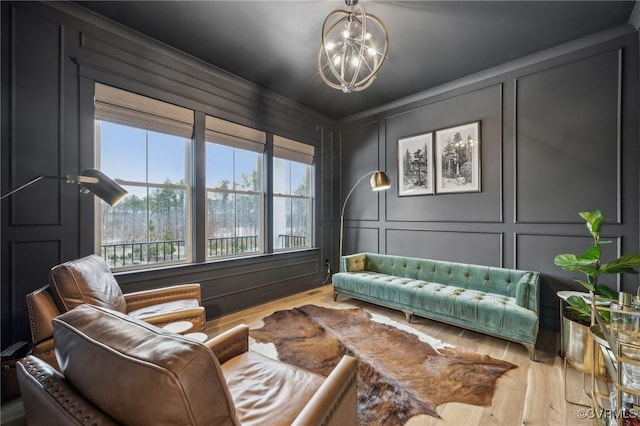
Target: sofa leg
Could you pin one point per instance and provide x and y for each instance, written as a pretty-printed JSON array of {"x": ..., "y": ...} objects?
[
  {"x": 531, "y": 348},
  {"x": 335, "y": 296},
  {"x": 408, "y": 315}
]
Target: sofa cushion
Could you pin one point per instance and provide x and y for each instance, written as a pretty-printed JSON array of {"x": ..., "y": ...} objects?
[
  {"x": 86, "y": 280},
  {"x": 140, "y": 374},
  {"x": 525, "y": 295},
  {"x": 485, "y": 311}
]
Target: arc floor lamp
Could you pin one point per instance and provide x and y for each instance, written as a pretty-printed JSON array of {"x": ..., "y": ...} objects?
[
  {"x": 379, "y": 182},
  {"x": 91, "y": 180}
]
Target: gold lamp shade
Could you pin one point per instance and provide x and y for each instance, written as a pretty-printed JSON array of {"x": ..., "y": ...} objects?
[{"x": 380, "y": 181}]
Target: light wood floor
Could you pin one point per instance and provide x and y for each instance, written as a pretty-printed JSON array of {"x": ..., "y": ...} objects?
[{"x": 532, "y": 394}]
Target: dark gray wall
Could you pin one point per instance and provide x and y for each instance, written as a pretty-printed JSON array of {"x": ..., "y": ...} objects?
[
  {"x": 51, "y": 56},
  {"x": 559, "y": 135}
]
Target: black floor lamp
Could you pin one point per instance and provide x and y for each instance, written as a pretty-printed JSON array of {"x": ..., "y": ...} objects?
[
  {"x": 379, "y": 182},
  {"x": 91, "y": 180}
]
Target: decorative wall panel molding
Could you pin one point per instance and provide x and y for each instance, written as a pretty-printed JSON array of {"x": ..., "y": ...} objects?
[
  {"x": 327, "y": 189},
  {"x": 454, "y": 246},
  {"x": 484, "y": 105},
  {"x": 359, "y": 147},
  {"x": 568, "y": 140},
  {"x": 358, "y": 240},
  {"x": 36, "y": 127},
  {"x": 29, "y": 271},
  {"x": 537, "y": 251}
]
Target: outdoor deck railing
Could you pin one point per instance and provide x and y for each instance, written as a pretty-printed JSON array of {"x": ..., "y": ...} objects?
[
  {"x": 125, "y": 254},
  {"x": 289, "y": 241},
  {"x": 225, "y": 246}
]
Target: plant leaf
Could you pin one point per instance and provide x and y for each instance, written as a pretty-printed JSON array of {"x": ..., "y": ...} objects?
[
  {"x": 588, "y": 285},
  {"x": 605, "y": 314},
  {"x": 625, "y": 264},
  {"x": 578, "y": 305},
  {"x": 594, "y": 220},
  {"x": 592, "y": 254},
  {"x": 571, "y": 261},
  {"x": 603, "y": 290},
  {"x": 589, "y": 217},
  {"x": 595, "y": 225},
  {"x": 587, "y": 269}
]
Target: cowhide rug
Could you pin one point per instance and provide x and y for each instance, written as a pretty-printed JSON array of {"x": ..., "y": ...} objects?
[{"x": 399, "y": 376}]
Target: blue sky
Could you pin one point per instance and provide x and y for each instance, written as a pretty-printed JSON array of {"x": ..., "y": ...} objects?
[{"x": 123, "y": 157}]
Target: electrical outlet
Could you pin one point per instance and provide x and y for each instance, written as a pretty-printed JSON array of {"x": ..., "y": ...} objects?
[{"x": 327, "y": 264}]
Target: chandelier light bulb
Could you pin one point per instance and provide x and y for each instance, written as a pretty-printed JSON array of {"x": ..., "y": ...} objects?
[
  {"x": 330, "y": 46},
  {"x": 345, "y": 34},
  {"x": 336, "y": 60}
]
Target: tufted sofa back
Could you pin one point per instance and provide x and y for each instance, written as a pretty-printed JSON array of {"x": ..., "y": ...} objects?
[{"x": 519, "y": 284}]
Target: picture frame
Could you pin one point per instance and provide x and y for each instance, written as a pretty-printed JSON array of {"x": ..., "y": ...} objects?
[
  {"x": 415, "y": 165},
  {"x": 457, "y": 158}
]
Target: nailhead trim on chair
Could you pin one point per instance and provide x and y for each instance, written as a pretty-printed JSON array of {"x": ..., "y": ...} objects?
[
  {"x": 32, "y": 322},
  {"x": 54, "y": 386}
]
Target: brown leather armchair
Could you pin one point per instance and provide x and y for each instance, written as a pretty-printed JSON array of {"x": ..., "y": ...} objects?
[
  {"x": 119, "y": 370},
  {"x": 89, "y": 280}
]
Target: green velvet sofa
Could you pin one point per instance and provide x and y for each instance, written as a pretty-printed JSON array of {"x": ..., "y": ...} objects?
[{"x": 500, "y": 302}]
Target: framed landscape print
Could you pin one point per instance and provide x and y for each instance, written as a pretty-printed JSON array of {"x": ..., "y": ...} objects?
[
  {"x": 458, "y": 159},
  {"x": 415, "y": 165}
]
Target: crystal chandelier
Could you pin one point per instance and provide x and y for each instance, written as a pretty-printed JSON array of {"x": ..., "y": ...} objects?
[{"x": 354, "y": 46}]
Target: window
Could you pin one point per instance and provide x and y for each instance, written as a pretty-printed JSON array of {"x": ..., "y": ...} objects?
[
  {"x": 235, "y": 201},
  {"x": 292, "y": 194},
  {"x": 148, "y": 147},
  {"x": 146, "y": 144}
]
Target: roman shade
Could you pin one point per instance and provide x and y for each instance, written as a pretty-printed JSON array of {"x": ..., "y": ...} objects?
[
  {"x": 235, "y": 135},
  {"x": 292, "y": 150},
  {"x": 130, "y": 109}
]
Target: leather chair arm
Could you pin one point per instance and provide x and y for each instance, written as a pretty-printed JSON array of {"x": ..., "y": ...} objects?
[
  {"x": 49, "y": 399},
  {"x": 195, "y": 315},
  {"x": 230, "y": 344},
  {"x": 334, "y": 403},
  {"x": 46, "y": 352},
  {"x": 42, "y": 310},
  {"x": 142, "y": 299}
]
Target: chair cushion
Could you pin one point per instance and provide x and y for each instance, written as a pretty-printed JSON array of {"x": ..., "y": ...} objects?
[
  {"x": 164, "y": 308},
  {"x": 138, "y": 373},
  {"x": 268, "y": 392},
  {"x": 86, "y": 280}
]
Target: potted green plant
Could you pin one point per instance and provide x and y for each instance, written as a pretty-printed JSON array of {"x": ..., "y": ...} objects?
[
  {"x": 591, "y": 265},
  {"x": 577, "y": 342}
]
